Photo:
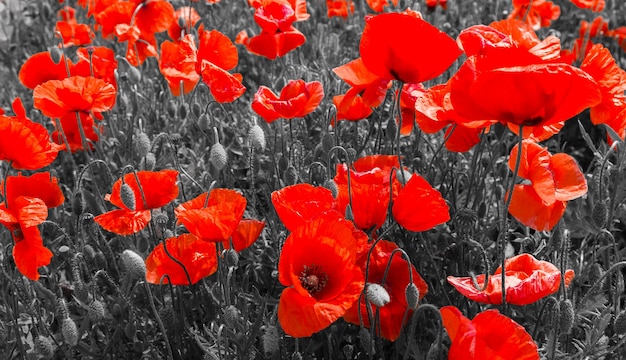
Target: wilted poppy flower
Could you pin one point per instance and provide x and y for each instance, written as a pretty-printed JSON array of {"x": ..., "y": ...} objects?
[
  {"x": 419, "y": 207},
  {"x": 341, "y": 8},
  {"x": 72, "y": 33},
  {"x": 540, "y": 14},
  {"x": 213, "y": 219},
  {"x": 600, "y": 64},
  {"x": 527, "y": 280},
  {"x": 185, "y": 15},
  {"x": 318, "y": 266},
  {"x": 178, "y": 64},
  {"x": 300, "y": 203},
  {"x": 56, "y": 98},
  {"x": 27, "y": 200},
  {"x": 398, "y": 46},
  {"x": 25, "y": 144},
  {"x": 593, "y": 5},
  {"x": 393, "y": 275},
  {"x": 155, "y": 189},
  {"x": 199, "y": 258},
  {"x": 490, "y": 335},
  {"x": 216, "y": 55},
  {"x": 555, "y": 179},
  {"x": 247, "y": 232},
  {"x": 297, "y": 99}
]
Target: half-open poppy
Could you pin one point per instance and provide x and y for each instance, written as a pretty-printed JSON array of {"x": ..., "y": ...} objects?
[
  {"x": 198, "y": 257},
  {"x": 527, "y": 280},
  {"x": 154, "y": 190},
  {"x": 297, "y": 99},
  {"x": 393, "y": 275},
  {"x": 490, "y": 335},
  {"x": 318, "y": 266},
  {"x": 394, "y": 46}
]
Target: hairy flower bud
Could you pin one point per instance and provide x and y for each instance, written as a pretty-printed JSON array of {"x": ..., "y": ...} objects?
[
  {"x": 231, "y": 258},
  {"x": 134, "y": 264},
  {"x": 55, "y": 54},
  {"x": 331, "y": 185},
  {"x": 600, "y": 214},
  {"x": 217, "y": 156},
  {"x": 619, "y": 326},
  {"x": 412, "y": 295},
  {"x": 566, "y": 316},
  {"x": 69, "y": 331},
  {"x": 44, "y": 347},
  {"x": 96, "y": 313},
  {"x": 257, "y": 137},
  {"x": 149, "y": 161},
  {"x": 291, "y": 176},
  {"x": 270, "y": 340},
  {"x": 128, "y": 196},
  {"x": 142, "y": 144},
  {"x": 377, "y": 294}
]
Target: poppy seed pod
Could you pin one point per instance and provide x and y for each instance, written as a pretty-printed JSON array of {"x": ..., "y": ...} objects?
[
  {"x": 619, "y": 326},
  {"x": 377, "y": 294},
  {"x": 128, "y": 196},
  {"x": 134, "y": 264},
  {"x": 69, "y": 331}
]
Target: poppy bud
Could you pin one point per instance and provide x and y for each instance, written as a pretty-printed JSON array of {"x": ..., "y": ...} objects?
[
  {"x": 46, "y": 10},
  {"x": 270, "y": 340},
  {"x": 44, "y": 347},
  {"x": 78, "y": 204},
  {"x": 619, "y": 326},
  {"x": 365, "y": 339},
  {"x": 482, "y": 210},
  {"x": 600, "y": 214},
  {"x": 595, "y": 274},
  {"x": 391, "y": 130},
  {"x": 95, "y": 313},
  {"x": 130, "y": 330},
  {"x": 403, "y": 176},
  {"x": 81, "y": 291},
  {"x": 55, "y": 54},
  {"x": 134, "y": 264},
  {"x": 134, "y": 75},
  {"x": 231, "y": 258},
  {"x": 566, "y": 316},
  {"x": 328, "y": 142},
  {"x": 331, "y": 185},
  {"x": 69, "y": 331},
  {"x": 231, "y": 315},
  {"x": 171, "y": 109},
  {"x": 142, "y": 145},
  {"x": 437, "y": 351},
  {"x": 217, "y": 156},
  {"x": 348, "y": 351},
  {"x": 412, "y": 295},
  {"x": 349, "y": 214},
  {"x": 204, "y": 122},
  {"x": 351, "y": 153},
  {"x": 61, "y": 309},
  {"x": 127, "y": 195},
  {"x": 283, "y": 164},
  {"x": 116, "y": 311},
  {"x": 89, "y": 253},
  {"x": 149, "y": 161},
  {"x": 377, "y": 294},
  {"x": 257, "y": 137},
  {"x": 183, "y": 110},
  {"x": 291, "y": 176},
  {"x": 181, "y": 22},
  {"x": 296, "y": 356},
  {"x": 196, "y": 109},
  {"x": 168, "y": 317}
]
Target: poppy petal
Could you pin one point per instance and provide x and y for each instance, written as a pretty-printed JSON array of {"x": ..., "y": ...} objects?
[
  {"x": 419, "y": 207},
  {"x": 124, "y": 222},
  {"x": 300, "y": 203},
  {"x": 569, "y": 180},
  {"x": 224, "y": 86},
  {"x": 248, "y": 231},
  {"x": 530, "y": 210},
  {"x": 29, "y": 253}
]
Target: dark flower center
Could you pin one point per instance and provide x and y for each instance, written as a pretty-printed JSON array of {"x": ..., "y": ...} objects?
[{"x": 313, "y": 279}]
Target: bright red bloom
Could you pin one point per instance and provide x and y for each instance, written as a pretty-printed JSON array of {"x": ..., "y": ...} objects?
[
  {"x": 178, "y": 64},
  {"x": 540, "y": 15},
  {"x": 39, "y": 68},
  {"x": 600, "y": 64},
  {"x": 379, "y": 5},
  {"x": 593, "y": 5},
  {"x": 73, "y": 33},
  {"x": 397, "y": 279},
  {"x": 408, "y": 97},
  {"x": 527, "y": 280},
  {"x": 397, "y": 46},
  {"x": 419, "y": 207},
  {"x": 95, "y": 6},
  {"x": 248, "y": 231},
  {"x": 56, "y": 98},
  {"x": 198, "y": 256},
  {"x": 213, "y": 219},
  {"x": 272, "y": 45},
  {"x": 318, "y": 266},
  {"x": 25, "y": 144},
  {"x": 27, "y": 200},
  {"x": 216, "y": 55},
  {"x": 555, "y": 179},
  {"x": 111, "y": 16},
  {"x": 99, "y": 58},
  {"x": 190, "y": 18},
  {"x": 490, "y": 335},
  {"x": 158, "y": 188},
  {"x": 298, "y": 204},
  {"x": 297, "y": 99},
  {"x": 432, "y": 4},
  {"x": 138, "y": 47},
  {"x": 341, "y": 8},
  {"x": 298, "y": 6}
]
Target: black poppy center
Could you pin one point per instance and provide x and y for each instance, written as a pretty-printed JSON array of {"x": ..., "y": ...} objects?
[{"x": 313, "y": 279}]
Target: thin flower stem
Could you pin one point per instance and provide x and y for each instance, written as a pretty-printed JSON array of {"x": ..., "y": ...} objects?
[{"x": 158, "y": 320}]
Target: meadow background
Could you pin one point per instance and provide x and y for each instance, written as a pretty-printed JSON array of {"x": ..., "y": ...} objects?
[{"x": 94, "y": 301}]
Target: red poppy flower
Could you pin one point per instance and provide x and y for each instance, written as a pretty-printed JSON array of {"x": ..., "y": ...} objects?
[
  {"x": 527, "y": 280},
  {"x": 100, "y": 59},
  {"x": 318, "y": 266},
  {"x": 178, "y": 64},
  {"x": 379, "y": 5},
  {"x": 213, "y": 219},
  {"x": 158, "y": 188},
  {"x": 272, "y": 45},
  {"x": 95, "y": 6},
  {"x": 419, "y": 207},
  {"x": 39, "y": 68},
  {"x": 216, "y": 55},
  {"x": 25, "y": 144},
  {"x": 248, "y": 231},
  {"x": 340, "y": 8},
  {"x": 554, "y": 179},
  {"x": 600, "y": 64},
  {"x": 593, "y": 5},
  {"x": 396, "y": 46},
  {"x": 490, "y": 335},
  {"x": 540, "y": 14},
  {"x": 186, "y": 15},
  {"x": 299, "y": 6},
  {"x": 432, "y": 4},
  {"x": 153, "y": 16},
  {"x": 394, "y": 277},
  {"x": 300, "y": 203},
  {"x": 297, "y": 99},
  {"x": 199, "y": 258},
  {"x": 139, "y": 47},
  {"x": 408, "y": 97},
  {"x": 111, "y": 16},
  {"x": 56, "y": 98},
  {"x": 369, "y": 189},
  {"x": 72, "y": 33},
  {"x": 27, "y": 200}
]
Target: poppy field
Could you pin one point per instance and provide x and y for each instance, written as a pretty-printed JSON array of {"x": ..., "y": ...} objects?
[{"x": 283, "y": 179}]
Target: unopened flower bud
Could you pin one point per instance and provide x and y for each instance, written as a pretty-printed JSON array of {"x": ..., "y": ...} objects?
[
  {"x": 134, "y": 75},
  {"x": 600, "y": 214},
  {"x": 44, "y": 347},
  {"x": 331, "y": 185},
  {"x": 69, "y": 331},
  {"x": 171, "y": 109},
  {"x": 127, "y": 195},
  {"x": 231, "y": 315},
  {"x": 365, "y": 339},
  {"x": 217, "y": 156},
  {"x": 142, "y": 145},
  {"x": 619, "y": 326},
  {"x": 291, "y": 176},
  {"x": 412, "y": 295},
  {"x": 55, "y": 54},
  {"x": 95, "y": 313},
  {"x": 377, "y": 294},
  {"x": 566, "y": 316},
  {"x": 183, "y": 110},
  {"x": 328, "y": 142},
  {"x": 270, "y": 340},
  {"x": 196, "y": 109},
  {"x": 257, "y": 137},
  {"x": 204, "y": 122},
  {"x": 403, "y": 175},
  {"x": 149, "y": 161},
  {"x": 134, "y": 264},
  {"x": 231, "y": 258},
  {"x": 349, "y": 214}
]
